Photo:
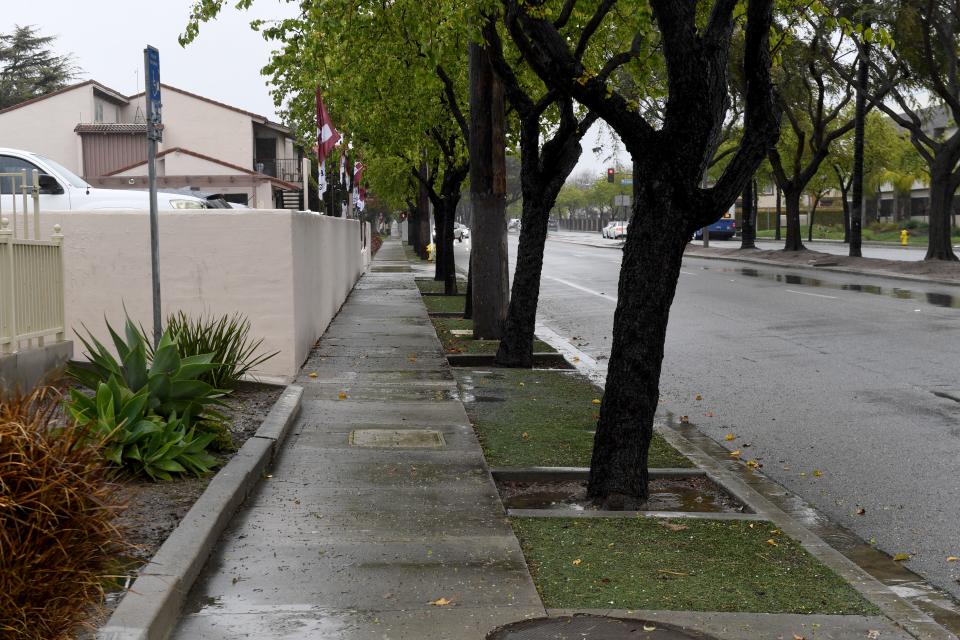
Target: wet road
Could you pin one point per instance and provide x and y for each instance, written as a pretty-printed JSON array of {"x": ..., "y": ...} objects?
[{"x": 845, "y": 388}]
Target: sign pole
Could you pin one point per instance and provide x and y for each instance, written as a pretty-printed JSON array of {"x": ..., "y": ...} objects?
[{"x": 151, "y": 63}]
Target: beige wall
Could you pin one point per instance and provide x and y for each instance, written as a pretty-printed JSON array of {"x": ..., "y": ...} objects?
[
  {"x": 46, "y": 126},
  {"x": 288, "y": 272}
]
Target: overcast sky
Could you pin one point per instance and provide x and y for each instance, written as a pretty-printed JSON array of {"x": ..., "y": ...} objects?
[{"x": 107, "y": 37}]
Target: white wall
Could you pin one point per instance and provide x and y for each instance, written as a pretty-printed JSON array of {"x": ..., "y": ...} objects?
[
  {"x": 46, "y": 126},
  {"x": 288, "y": 272}
]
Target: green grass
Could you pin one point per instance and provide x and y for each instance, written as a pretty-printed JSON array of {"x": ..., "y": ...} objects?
[
  {"x": 875, "y": 233},
  {"x": 466, "y": 344},
  {"x": 429, "y": 285},
  {"x": 541, "y": 418},
  {"x": 712, "y": 565},
  {"x": 444, "y": 303},
  {"x": 410, "y": 253}
]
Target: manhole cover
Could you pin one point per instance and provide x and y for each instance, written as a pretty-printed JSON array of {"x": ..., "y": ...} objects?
[
  {"x": 592, "y": 627},
  {"x": 397, "y": 438}
]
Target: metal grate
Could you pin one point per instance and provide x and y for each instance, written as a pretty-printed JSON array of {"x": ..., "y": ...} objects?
[{"x": 591, "y": 627}]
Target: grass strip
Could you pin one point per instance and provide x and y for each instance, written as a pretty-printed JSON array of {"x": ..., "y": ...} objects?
[
  {"x": 429, "y": 285},
  {"x": 707, "y": 565},
  {"x": 466, "y": 344},
  {"x": 444, "y": 303},
  {"x": 541, "y": 418}
]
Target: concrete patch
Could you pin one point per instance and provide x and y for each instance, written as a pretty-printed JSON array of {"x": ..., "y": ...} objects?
[{"x": 397, "y": 438}]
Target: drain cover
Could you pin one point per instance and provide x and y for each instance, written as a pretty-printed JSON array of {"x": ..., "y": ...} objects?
[
  {"x": 397, "y": 438},
  {"x": 593, "y": 627}
]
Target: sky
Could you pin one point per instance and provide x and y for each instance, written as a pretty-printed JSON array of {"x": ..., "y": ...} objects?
[{"x": 107, "y": 38}]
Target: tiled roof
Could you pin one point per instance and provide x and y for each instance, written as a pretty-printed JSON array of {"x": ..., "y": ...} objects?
[{"x": 112, "y": 127}]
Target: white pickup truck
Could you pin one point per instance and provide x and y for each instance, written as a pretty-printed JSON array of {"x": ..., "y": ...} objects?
[{"x": 62, "y": 190}]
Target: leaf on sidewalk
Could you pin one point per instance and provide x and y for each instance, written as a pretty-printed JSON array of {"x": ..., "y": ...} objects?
[
  {"x": 342, "y": 395},
  {"x": 772, "y": 542},
  {"x": 952, "y": 558},
  {"x": 313, "y": 374},
  {"x": 901, "y": 557},
  {"x": 735, "y": 453},
  {"x": 699, "y": 397},
  {"x": 729, "y": 437},
  {"x": 873, "y": 634},
  {"x": 649, "y": 627},
  {"x": 595, "y": 401},
  {"x": 817, "y": 473},
  {"x": 441, "y": 602}
]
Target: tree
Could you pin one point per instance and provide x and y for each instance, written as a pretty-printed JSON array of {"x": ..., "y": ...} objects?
[
  {"x": 28, "y": 66},
  {"x": 814, "y": 99},
  {"x": 924, "y": 62},
  {"x": 669, "y": 164}
]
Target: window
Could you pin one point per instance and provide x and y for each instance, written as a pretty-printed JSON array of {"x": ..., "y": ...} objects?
[
  {"x": 9, "y": 164},
  {"x": 97, "y": 111}
]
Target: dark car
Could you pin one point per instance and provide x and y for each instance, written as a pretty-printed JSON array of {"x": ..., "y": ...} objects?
[
  {"x": 553, "y": 225},
  {"x": 723, "y": 229}
]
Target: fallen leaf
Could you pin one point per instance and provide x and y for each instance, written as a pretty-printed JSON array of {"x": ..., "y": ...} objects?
[
  {"x": 525, "y": 435},
  {"x": 729, "y": 437},
  {"x": 313, "y": 374},
  {"x": 342, "y": 395},
  {"x": 595, "y": 401},
  {"x": 753, "y": 464},
  {"x": 440, "y": 602},
  {"x": 817, "y": 473},
  {"x": 699, "y": 397},
  {"x": 735, "y": 453},
  {"x": 873, "y": 634},
  {"x": 901, "y": 557},
  {"x": 684, "y": 419},
  {"x": 709, "y": 414},
  {"x": 577, "y": 562},
  {"x": 799, "y": 637},
  {"x": 649, "y": 627},
  {"x": 576, "y": 359},
  {"x": 952, "y": 558},
  {"x": 775, "y": 532},
  {"x": 861, "y": 511},
  {"x": 672, "y": 573},
  {"x": 675, "y": 527},
  {"x": 772, "y": 542},
  {"x": 523, "y": 384}
]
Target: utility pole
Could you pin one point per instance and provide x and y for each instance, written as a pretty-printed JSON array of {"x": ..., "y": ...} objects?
[{"x": 151, "y": 64}]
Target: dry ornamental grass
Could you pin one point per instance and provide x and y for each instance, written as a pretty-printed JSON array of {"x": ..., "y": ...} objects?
[{"x": 57, "y": 507}]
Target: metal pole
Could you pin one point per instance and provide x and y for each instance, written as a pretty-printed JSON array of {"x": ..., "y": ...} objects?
[{"x": 153, "y": 135}]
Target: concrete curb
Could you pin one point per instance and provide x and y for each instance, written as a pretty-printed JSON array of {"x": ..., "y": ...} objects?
[{"x": 151, "y": 607}]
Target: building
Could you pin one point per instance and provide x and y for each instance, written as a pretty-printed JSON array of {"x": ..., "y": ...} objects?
[{"x": 208, "y": 146}]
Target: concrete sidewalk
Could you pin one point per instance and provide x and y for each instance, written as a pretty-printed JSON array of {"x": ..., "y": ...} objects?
[{"x": 379, "y": 519}]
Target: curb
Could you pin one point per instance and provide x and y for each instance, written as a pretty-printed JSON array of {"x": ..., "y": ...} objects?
[{"x": 151, "y": 607}]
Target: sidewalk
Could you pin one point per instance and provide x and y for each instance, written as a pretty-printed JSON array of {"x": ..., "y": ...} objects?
[{"x": 379, "y": 519}]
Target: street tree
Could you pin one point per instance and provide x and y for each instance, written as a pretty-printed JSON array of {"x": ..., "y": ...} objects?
[
  {"x": 29, "y": 67},
  {"x": 670, "y": 158}
]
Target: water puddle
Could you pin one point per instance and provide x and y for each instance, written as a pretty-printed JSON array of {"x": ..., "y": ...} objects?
[
  {"x": 935, "y": 299},
  {"x": 692, "y": 495}
]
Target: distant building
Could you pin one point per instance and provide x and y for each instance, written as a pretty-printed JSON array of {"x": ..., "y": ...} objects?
[{"x": 207, "y": 146}]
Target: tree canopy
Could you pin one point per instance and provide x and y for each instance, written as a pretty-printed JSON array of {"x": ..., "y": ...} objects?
[{"x": 29, "y": 67}]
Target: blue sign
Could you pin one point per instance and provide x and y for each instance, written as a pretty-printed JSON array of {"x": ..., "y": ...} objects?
[
  {"x": 153, "y": 74},
  {"x": 626, "y": 181}
]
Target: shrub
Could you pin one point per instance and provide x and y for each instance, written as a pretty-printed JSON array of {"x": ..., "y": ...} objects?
[
  {"x": 57, "y": 537},
  {"x": 157, "y": 415},
  {"x": 226, "y": 338}
]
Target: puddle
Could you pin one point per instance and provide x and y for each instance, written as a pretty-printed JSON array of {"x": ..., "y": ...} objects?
[
  {"x": 927, "y": 297},
  {"x": 693, "y": 495},
  {"x": 119, "y": 576}
]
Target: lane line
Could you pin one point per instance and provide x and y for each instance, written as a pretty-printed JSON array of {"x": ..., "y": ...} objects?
[
  {"x": 604, "y": 296},
  {"x": 815, "y": 295},
  {"x": 688, "y": 273}
]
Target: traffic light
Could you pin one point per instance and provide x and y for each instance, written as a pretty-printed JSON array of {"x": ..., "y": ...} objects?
[{"x": 611, "y": 173}]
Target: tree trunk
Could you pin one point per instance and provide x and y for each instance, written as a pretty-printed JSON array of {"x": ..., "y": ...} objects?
[
  {"x": 423, "y": 208},
  {"x": 813, "y": 215},
  {"x": 488, "y": 193},
  {"x": 449, "y": 258},
  {"x": 648, "y": 279},
  {"x": 777, "y": 236},
  {"x": 943, "y": 184},
  {"x": 794, "y": 235},
  {"x": 748, "y": 231},
  {"x": 439, "y": 246}
]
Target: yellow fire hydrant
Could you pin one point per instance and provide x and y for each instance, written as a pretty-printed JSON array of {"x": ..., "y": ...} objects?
[
  {"x": 904, "y": 234},
  {"x": 430, "y": 249}
]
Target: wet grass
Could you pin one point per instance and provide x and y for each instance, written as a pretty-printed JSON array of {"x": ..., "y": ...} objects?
[
  {"x": 429, "y": 285},
  {"x": 541, "y": 418},
  {"x": 710, "y": 565},
  {"x": 444, "y": 303},
  {"x": 466, "y": 344},
  {"x": 410, "y": 253}
]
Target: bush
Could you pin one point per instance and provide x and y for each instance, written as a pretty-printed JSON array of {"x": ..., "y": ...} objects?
[
  {"x": 227, "y": 340},
  {"x": 914, "y": 224},
  {"x": 156, "y": 415},
  {"x": 57, "y": 537}
]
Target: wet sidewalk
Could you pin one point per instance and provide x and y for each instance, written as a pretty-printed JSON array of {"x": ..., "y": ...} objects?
[{"x": 379, "y": 519}]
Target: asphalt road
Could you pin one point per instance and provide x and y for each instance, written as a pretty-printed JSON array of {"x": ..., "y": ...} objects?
[{"x": 846, "y": 388}]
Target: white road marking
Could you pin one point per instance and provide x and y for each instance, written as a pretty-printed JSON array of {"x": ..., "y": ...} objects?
[
  {"x": 687, "y": 273},
  {"x": 612, "y": 299},
  {"x": 815, "y": 295}
]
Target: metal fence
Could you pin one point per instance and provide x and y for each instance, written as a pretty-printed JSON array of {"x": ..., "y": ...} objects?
[{"x": 31, "y": 270}]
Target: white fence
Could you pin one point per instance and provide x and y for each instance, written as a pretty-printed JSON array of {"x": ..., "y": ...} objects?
[{"x": 31, "y": 270}]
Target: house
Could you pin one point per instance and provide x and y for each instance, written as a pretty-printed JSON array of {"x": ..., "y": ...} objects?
[{"x": 208, "y": 146}]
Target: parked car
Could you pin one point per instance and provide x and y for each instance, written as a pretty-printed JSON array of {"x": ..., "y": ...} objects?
[
  {"x": 553, "y": 225},
  {"x": 513, "y": 224},
  {"x": 63, "y": 190},
  {"x": 616, "y": 229},
  {"x": 460, "y": 232},
  {"x": 723, "y": 229}
]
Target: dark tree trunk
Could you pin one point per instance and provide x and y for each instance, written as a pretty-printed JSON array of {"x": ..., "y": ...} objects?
[
  {"x": 449, "y": 258},
  {"x": 413, "y": 225},
  {"x": 943, "y": 185},
  {"x": 813, "y": 215},
  {"x": 794, "y": 234},
  {"x": 779, "y": 213},
  {"x": 488, "y": 188},
  {"x": 748, "y": 231},
  {"x": 648, "y": 279},
  {"x": 860, "y": 119},
  {"x": 423, "y": 213},
  {"x": 439, "y": 245}
]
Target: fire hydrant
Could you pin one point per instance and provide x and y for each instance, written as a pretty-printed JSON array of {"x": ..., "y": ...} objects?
[
  {"x": 904, "y": 234},
  {"x": 430, "y": 249}
]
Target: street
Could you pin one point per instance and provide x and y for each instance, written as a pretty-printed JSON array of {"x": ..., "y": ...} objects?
[{"x": 845, "y": 388}]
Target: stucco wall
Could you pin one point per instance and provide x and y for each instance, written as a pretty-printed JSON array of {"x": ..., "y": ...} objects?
[
  {"x": 46, "y": 126},
  {"x": 288, "y": 272}
]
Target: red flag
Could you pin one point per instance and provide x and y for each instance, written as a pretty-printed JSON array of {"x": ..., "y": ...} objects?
[
  {"x": 327, "y": 135},
  {"x": 358, "y": 171}
]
